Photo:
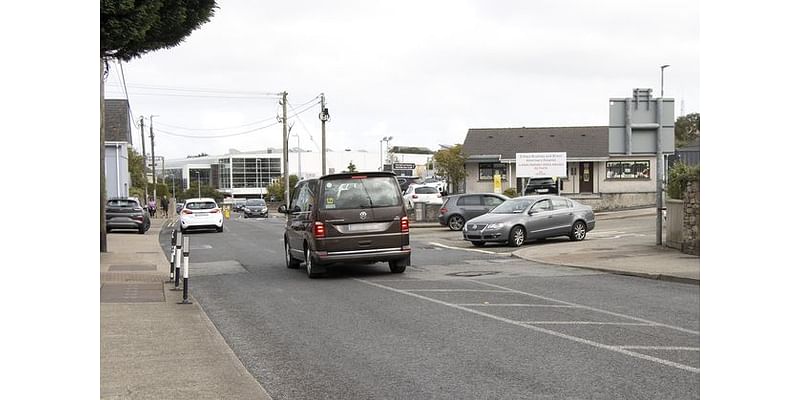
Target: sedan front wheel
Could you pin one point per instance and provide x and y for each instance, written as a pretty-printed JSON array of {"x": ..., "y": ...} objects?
[{"x": 517, "y": 236}]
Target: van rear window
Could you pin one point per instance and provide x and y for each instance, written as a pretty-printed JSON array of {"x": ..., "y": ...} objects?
[{"x": 378, "y": 191}]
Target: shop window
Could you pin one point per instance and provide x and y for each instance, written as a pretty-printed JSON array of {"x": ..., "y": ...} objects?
[
  {"x": 486, "y": 171},
  {"x": 628, "y": 170}
]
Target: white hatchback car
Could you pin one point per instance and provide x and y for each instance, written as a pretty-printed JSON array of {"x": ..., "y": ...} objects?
[
  {"x": 421, "y": 194},
  {"x": 201, "y": 213}
]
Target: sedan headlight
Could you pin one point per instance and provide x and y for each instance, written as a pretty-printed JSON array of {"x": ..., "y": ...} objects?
[{"x": 495, "y": 226}]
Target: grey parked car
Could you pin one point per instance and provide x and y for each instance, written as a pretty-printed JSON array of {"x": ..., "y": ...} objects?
[
  {"x": 460, "y": 208},
  {"x": 531, "y": 217}
]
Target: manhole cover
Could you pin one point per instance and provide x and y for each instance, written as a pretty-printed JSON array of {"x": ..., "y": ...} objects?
[
  {"x": 468, "y": 274},
  {"x": 132, "y": 293},
  {"x": 132, "y": 267}
]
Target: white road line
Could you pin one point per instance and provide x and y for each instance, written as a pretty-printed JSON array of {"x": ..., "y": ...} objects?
[
  {"x": 669, "y": 348},
  {"x": 586, "y": 323},
  {"x": 616, "y": 349},
  {"x": 473, "y": 250},
  {"x": 677, "y": 328},
  {"x": 460, "y": 290},
  {"x": 513, "y": 305}
]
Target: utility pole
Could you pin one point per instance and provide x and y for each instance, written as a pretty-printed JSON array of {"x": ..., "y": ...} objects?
[
  {"x": 660, "y": 161},
  {"x": 324, "y": 117},
  {"x": 144, "y": 156},
  {"x": 285, "y": 151},
  {"x": 153, "y": 155}
]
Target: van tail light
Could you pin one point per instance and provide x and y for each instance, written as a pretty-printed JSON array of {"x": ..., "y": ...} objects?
[
  {"x": 185, "y": 211},
  {"x": 319, "y": 229},
  {"x": 404, "y": 224}
]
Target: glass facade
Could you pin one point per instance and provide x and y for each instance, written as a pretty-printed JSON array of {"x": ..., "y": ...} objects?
[{"x": 248, "y": 172}]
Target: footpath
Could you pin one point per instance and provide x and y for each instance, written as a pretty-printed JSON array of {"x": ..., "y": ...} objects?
[{"x": 151, "y": 347}]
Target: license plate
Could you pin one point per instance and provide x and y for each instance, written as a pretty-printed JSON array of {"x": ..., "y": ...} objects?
[
  {"x": 541, "y": 190},
  {"x": 201, "y": 214}
]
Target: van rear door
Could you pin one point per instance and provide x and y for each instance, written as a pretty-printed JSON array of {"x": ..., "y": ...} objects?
[{"x": 360, "y": 213}]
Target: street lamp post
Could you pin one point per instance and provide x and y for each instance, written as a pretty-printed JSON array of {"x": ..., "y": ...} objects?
[
  {"x": 258, "y": 174},
  {"x": 385, "y": 139},
  {"x": 662, "y": 78},
  {"x": 660, "y": 161}
]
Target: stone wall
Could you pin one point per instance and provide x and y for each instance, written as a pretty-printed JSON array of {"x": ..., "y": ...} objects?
[{"x": 691, "y": 219}]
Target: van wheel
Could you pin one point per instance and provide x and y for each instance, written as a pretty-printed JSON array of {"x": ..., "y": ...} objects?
[
  {"x": 291, "y": 263},
  {"x": 310, "y": 265},
  {"x": 399, "y": 266}
]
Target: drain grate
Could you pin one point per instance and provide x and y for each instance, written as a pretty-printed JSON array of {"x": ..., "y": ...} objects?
[
  {"x": 469, "y": 274},
  {"x": 132, "y": 293},
  {"x": 132, "y": 267}
]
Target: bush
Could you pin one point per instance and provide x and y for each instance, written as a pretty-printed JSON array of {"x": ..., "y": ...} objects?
[
  {"x": 510, "y": 192},
  {"x": 679, "y": 176}
]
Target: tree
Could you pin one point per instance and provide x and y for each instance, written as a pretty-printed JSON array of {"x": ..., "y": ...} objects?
[
  {"x": 129, "y": 29},
  {"x": 450, "y": 165},
  {"x": 351, "y": 167},
  {"x": 192, "y": 192},
  {"x": 687, "y": 129},
  {"x": 276, "y": 189},
  {"x": 136, "y": 169}
]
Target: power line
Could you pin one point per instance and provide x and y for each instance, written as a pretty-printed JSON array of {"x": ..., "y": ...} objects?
[
  {"x": 304, "y": 125},
  {"x": 216, "y": 129},
  {"x": 203, "y": 90},
  {"x": 216, "y": 136}
]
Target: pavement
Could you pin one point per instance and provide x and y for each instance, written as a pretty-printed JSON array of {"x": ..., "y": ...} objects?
[{"x": 153, "y": 347}]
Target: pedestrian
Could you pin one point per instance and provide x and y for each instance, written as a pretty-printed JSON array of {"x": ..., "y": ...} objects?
[
  {"x": 164, "y": 206},
  {"x": 151, "y": 207}
]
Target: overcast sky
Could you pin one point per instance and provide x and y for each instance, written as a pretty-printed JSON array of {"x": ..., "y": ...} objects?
[{"x": 421, "y": 71}]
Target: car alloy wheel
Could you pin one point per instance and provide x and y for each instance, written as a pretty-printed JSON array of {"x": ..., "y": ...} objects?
[
  {"x": 578, "y": 231},
  {"x": 517, "y": 237},
  {"x": 456, "y": 222}
]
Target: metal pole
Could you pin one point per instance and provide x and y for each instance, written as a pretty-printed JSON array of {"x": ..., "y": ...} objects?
[
  {"x": 324, "y": 117},
  {"x": 172, "y": 257},
  {"x": 285, "y": 152},
  {"x": 186, "y": 274},
  {"x": 153, "y": 155},
  {"x": 198, "y": 184},
  {"x": 144, "y": 155},
  {"x": 659, "y": 170}
]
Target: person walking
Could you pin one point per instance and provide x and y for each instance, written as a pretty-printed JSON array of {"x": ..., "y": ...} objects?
[
  {"x": 151, "y": 207},
  {"x": 164, "y": 206}
]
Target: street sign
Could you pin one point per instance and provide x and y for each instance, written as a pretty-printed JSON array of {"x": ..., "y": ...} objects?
[
  {"x": 404, "y": 166},
  {"x": 541, "y": 165}
]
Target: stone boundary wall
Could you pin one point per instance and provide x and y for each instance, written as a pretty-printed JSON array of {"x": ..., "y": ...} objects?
[{"x": 691, "y": 219}]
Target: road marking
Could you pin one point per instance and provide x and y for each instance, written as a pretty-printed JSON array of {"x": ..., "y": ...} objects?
[
  {"x": 513, "y": 305},
  {"x": 669, "y": 348},
  {"x": 588, "y": 323},
  {"x": 677, "y": 328},
  {"x": 473, "y": 250},
  {"x": 460, "y": 290},
  {"x": 592, "y": 343}
]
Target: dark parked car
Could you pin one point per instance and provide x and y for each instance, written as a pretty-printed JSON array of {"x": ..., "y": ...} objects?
[
  {"x": 255, "y": 208},
  {"x": 528, "y": 218},
  {"x": 541, "y": 186},
  {"x": 348, "y": 217},
  {"x": 404, "y": 181},
  {"x": 460, "y": 208},
  {"x": 126, "y": 213}
]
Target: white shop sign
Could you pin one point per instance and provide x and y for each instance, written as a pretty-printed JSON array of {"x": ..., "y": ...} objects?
[{"x": 541, "y": 165}]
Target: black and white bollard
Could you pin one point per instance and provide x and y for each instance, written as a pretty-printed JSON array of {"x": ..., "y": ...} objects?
[
  {"x": 172, "y": 257},
  {"x": 178, "y": 258},
  {"x": 186, "y": 274}
]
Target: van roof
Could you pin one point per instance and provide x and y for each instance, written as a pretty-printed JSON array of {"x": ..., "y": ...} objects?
[{"x": 349, "y": 175}]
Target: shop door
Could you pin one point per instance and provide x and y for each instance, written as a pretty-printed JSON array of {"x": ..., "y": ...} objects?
[{"x": 586, "y": 177}]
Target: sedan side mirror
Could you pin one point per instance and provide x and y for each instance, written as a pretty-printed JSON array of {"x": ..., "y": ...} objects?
[{"x": 282, "y": 209}]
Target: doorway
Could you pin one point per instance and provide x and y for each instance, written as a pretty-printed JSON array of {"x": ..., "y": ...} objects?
[{"x": 586, "y": 177}]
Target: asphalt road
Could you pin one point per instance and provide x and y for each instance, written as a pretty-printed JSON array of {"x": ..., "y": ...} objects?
[{"x": 458, "y": 324}]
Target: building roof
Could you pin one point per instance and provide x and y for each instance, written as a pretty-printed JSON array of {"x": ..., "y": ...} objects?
[
  {"x": 117, "y": 122},
  {"x": 577, "y": 142}
]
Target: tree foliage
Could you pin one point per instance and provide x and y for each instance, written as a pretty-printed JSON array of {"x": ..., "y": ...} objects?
[
  {"x": 131, "y": 28},
  {"x": 687, "y": 129},
  {"x": 136, "y": 169},
  {"x": 276, "y": 189},
  {"x": 450, "y": 165},
  {"x": 351, "y": 167},
  {"x": 192, "y": 192},
  {"x": 679, "y": 176}
]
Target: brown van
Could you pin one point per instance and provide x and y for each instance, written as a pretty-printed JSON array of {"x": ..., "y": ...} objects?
[{"x": 348, "y": 217}]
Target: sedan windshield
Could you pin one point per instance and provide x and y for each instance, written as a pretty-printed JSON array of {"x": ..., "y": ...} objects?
[
  {"x": 201, "y": 205},
  {"x": 255, "y": 203},
  {"x": 513, "y": 206}
]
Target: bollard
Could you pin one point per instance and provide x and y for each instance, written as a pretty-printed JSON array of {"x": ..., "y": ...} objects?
[
  {"x": 186, "y": 274},
  {"x": 172, "y": 258},
  {"x": 178, "y": 257}
]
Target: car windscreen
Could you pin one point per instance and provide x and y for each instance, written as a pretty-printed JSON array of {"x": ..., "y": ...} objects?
[
  {"x": 255, "y": 203},
  {"x": 347, "y": 193},
  {"x": 201, "y": 205},
  {"x": 122, "y": 203},
  {"x": 513, "y": 206},
  {"x": 541, "y": 181}
]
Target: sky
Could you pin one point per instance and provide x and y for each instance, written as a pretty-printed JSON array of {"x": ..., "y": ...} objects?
[{"x": 421, "y": 72}]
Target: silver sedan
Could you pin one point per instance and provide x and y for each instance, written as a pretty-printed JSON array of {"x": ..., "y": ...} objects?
[{"x": 528, "y": 218}]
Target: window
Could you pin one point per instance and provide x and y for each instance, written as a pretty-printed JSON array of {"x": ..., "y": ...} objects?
[
  {"x": 486, "y": 171},
  {"x": 469, "y": 201},
  {"x": 201, "y": 205},
  {"x": 255, "y": 202},
  {"x": 543, "y": 205},
  {"x": 628, "y": 170},
  {"x": 426, "y": 190},
  {"x": 492, "y": 201},
  {"x": 560, "y": 204},
  {"x": 361, "y": 193}
]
